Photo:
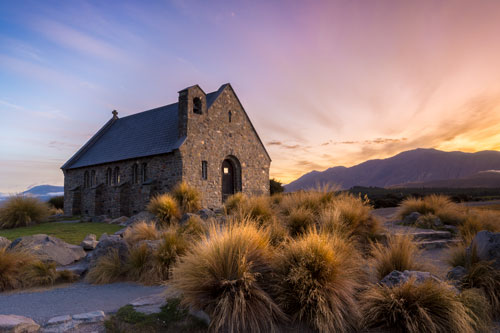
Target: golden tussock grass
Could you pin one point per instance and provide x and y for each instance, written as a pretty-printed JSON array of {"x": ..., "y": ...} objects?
[
  {"x": 414, "y": 308},
  {"x": 478, "y": 220},
  {"x": 400, "y": 253},
  {"x": 234, "y": 203},
  {"x": 194, "y": 227},
  {"x": 172, "y": 246},
  {"x": 141, "y": 231},
  {"x": 436, "y": 204},
  {"x": 21, "y": 211},
  {"x": 12, "y": 264},
  {"x": 482, "y": 275},
  {"x": 39, "y": 273},
  {"x": 478, "y": 309},
  {"x": 313, "y": 200},
  {"x": 108, "y": 269},
  {"x": 165, "y": 208},
  {"x": 457, "y": 255},
  {"x": 300, "y": 220},
  {"x": 224, "y": 275},
  {"x": 316, "y": 278},
  {"x": 139, "y": 266},
  {"x": 188, "y": 198}
]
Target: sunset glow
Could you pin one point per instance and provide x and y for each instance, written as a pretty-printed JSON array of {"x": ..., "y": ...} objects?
[{"x": 325, "y": 83}]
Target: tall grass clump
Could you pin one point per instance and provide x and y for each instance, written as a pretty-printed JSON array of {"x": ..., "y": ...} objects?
[
  {"x": 316, "y": 282},
  {"x": 478, "y": 220},
  {"x": 194, "y": 227},
  {"x": 400, "y": 253},
  {"x": 234, "y": 203},
  {"x": 140, "y": 264},
  {"x": 436, "y": 204},
  {"x": 21, "y": 211},
  {"x": 12, "y": 264},
  {"x": 300, "y": 220},
  {"x": 313, "y": 200},
  {"x": 224, "y": 274},
  {"x": 477, "y": 308},
  {"x": 108, "y": 269},
  {"x": 165, "y": 207},
  {"x": 457, "y": 255},
  {"x": 40, "y": 273},
  {"x": 172, "y": 246},
  {"x": 141, "y": 231},
  {"x": 482, "y": 275},
  {"x": 188, "y": 197},
  {"x": 414, "y": 308}
]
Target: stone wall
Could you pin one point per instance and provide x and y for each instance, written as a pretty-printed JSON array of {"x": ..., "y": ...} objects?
[
  {"x": 163, "y": 172},
  {"x": 212, "y": 138}
]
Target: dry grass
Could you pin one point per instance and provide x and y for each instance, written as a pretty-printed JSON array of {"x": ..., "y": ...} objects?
[
  {"x": 66, "y": 276},
  {"x": 257, "y": 209},
  {"x": 436, "y": 204},
  {"x": 12, "y": 264},
  {"x": 484, "y": 276},
  {"x": 277, "y": 232},
  {"x": 165, "y": 207},
  {"x": 224, "y": 275},
  {"x": 141, "y": 231},
  {"x": 300, "y": 220},
  {"x": 400, "y": 254},
  {"x": 194, "y": 227},
  {"x": 140, "y": 264},
  {"x": 21, "y": 211},
  {"x": 415, "y": 308},
  {"x": 457, "y": 255},
  {"x": 188, "y": 198},
  {"x": 478, "y": 220},
  {"x": 173, "y": 246},
  {"x": 108, "y": 269},
  {"x": 478, "y": 309},
  {"x": 316, "y": 281},
  {"x": 314, "y": 200},
  {"x": 234, "y": 203},
  {"x": 39, "y": 273}
]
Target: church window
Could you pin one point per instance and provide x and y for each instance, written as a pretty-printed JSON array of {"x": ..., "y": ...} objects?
[
  {"x": 204, "y": 170},
  {"x": 93, "y": 179},
  {"x": 116, "y": 176},
  {"x": 144, "y": 172},
  {"x": 109, "y": 176},
  {"x": 86, "y": 179},
  {"x": 135, "y": 174},
  {"x": 197, "y": 105},
  {"x": 230, "y": 116}
]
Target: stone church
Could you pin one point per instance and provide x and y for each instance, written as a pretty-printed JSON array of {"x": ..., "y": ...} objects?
[{"x": 206, "y": 140}]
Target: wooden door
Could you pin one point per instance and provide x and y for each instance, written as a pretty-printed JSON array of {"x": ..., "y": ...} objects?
[{"x": 227, "y": 179}]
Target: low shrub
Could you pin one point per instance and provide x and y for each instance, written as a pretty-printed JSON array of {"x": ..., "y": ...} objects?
[
  {"x": 224, "y": 274},
  {"x": 188, "y": 198},
  {"x": 165, "y": 207},
  {"x": 21, "y": 211},
  {"x": 300, "y": 220},
  {"x": 316, "y": 282},
  {"x": 482, "y": 275},
  {"x": 400, "y": 253},
  {"x": 12, "y": 264},
  {"x": 415, "y": 308},
  {"x": 108, "y": 269},
  {"x": 141, "y": 231},
  {"x": 57, "y": 202}
]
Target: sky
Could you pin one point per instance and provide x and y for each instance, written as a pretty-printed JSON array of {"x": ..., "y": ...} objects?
[{"x": 325, "y": 83}]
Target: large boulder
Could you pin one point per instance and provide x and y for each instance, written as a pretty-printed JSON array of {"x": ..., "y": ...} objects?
[
  {"x": 119, "y": 220},
  {"x": 396, "y": 277},
  {"x": 4, "y": 242},
  {"x": 89, "y": 242},
  {"x": 142, "y": 216},
  {"x": 107, "y": 244},
  {"x": 487, "y": 246},
  {"x": 49, "y": 248},
  {"x": 17, "y": 324},
  {"x": 411, "y": 218}
]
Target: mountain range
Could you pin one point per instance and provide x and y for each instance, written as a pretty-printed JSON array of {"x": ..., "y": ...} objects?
[
  {"x": 413, "y": 168},
  {"x": 43, "y": 192}
]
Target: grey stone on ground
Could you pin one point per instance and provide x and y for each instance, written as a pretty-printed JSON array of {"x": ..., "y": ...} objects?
[
  {"x": 106, "y": 244},
  {"x": 120, "y": 232},
  {"x": 206, "y": 213},
  {"x": 67, "y": 323},
  {"x": 149, "y": 304},
  {"x": 89, "y": 242},
  {"x": 487, "y": 246},
  {"x": 4, "y": 242},
  {"x": 396, "y": 277},
  {"x": 456, "y": 273},
  {"x": 79, "y": 268},
  {"x": 119, "y": 220},
  {"x": 100, "y": 219},
  {"x": 142, "y": 216},
  {"x": 411, "y": 218},
  {"x": 17, "y": 324},
  {"x": 49, "y": 248}
]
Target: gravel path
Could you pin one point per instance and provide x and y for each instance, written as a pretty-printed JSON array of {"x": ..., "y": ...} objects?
[{"x": 72, "y": 299}]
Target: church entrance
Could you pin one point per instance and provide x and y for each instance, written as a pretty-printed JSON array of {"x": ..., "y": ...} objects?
[{"x": 231, "y": 177}]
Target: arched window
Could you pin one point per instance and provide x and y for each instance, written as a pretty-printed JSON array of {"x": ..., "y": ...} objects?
[
  {"x": 229, "y": 116},
  {"x": 86, "y": 179},
  {"x": 93, "y": 179},
  {"x": 116, "y": 176},
  {"x": 144, "y": 172},
  {"x": 135, "y": 174},
  {"x": 197, "y": 105},
  {"x": 109, "y": 176}
]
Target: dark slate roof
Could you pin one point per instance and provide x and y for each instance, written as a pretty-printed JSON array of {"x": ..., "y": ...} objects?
[{"x": 147, "y": 133}]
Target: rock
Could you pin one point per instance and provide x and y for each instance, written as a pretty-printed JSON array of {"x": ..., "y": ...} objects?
[
  {"x": 142, "y": 216},
  {"x": 205, "y": 213},
  {"x": 70, "y": 323},
  {"x": 89, "y": 242},
  {"x": 149, "y": 304},
  {"x": 106, "y": 244},
  {"x": 59, "y": 324},
  {"x": 86, "y": 219},
  {"x": 119, "y": 220},
  {"x": 456, "y": 273},
  {"x": 49, "y": 248},
  {"x": 200, "y": 314},
  {"x": 411, "y": 218},
  {"x": 397, "y": 277},
  {"x": 78, "y": 268},
  {"x": 120, "y": 232},
  {"x": 4, "y": 242},
  {"x": 487, "y": 246},
  {"x": 99, "y": 218},
  {"x": 17, "y": 324},
  {"x": 186, "y": 217},
  {"x": 90, "y": 317}
]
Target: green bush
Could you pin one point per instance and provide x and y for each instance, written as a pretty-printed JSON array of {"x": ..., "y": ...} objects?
[{"x": 21, "y": 211}]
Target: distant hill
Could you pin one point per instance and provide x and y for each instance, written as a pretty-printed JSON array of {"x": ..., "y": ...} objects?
[
  {"x": 43, "y": 192},
  {"x": 409, "y": 168},
  {"x": 483, "y": 179}
]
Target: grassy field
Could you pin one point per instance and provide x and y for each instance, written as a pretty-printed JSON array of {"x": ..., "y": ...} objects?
[{"x": 72, "y": 233}]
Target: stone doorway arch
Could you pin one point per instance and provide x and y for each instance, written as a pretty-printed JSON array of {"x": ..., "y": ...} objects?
[{"x": 231, "y": 177}]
